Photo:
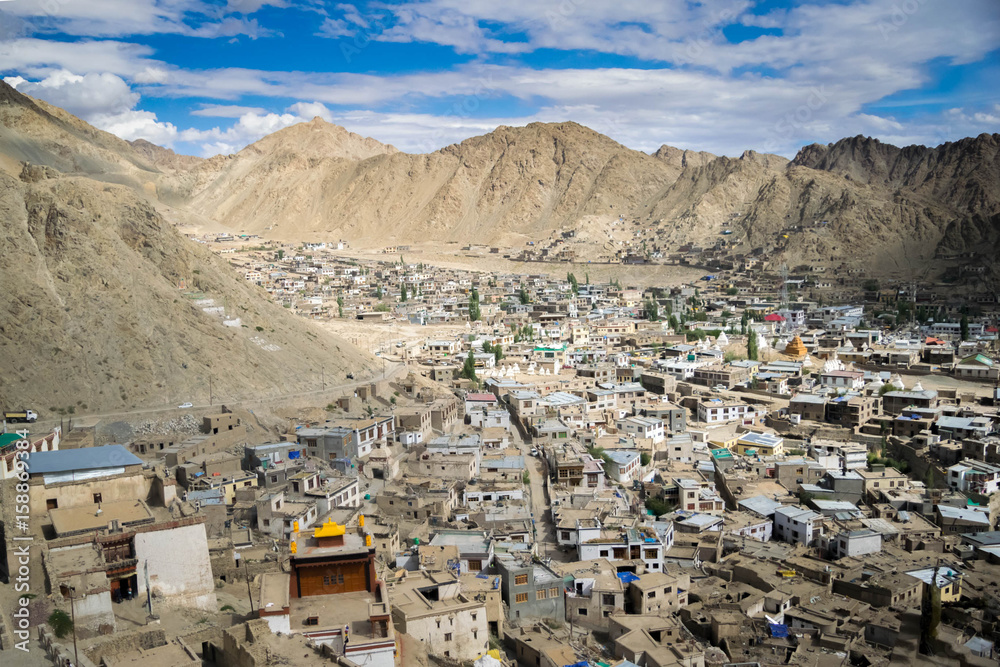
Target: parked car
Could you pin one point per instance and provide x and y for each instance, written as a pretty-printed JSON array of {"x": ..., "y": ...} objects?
[
  {"x": 350, "y": 376},
  {"x": 185, "y": 406},
  {"x": 534, "y": 451}
]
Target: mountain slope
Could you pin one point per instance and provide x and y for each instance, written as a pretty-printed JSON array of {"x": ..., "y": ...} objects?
[
  {"x": 511, "y": 181},
  {"x": 94, "y": 314}
]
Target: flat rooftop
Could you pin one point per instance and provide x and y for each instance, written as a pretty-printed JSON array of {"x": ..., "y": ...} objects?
[{"x": 73, "y": 520}]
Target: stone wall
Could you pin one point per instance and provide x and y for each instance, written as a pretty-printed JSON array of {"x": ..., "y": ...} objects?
[{"x": 125, "y": 642}]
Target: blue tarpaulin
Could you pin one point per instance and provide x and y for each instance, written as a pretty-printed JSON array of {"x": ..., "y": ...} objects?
[
  {"x": 583, "y": 663},
  {"x": 778, "y": 629},
  {"x": 627, "y": 577},
  {"x": 293, "y": 455}
]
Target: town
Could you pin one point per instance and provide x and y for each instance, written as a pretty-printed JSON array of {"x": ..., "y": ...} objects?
[{"x": 753, "y": 465}]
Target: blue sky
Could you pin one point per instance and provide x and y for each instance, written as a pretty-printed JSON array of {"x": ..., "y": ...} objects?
[{"x": 209, "y": 76}]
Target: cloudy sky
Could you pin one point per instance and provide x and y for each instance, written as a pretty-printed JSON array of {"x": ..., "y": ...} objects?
[{"x": 206, "y": 77}]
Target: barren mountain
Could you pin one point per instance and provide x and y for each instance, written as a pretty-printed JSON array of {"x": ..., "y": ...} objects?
[
  {"x": 512, "y": 181},
  {"x": 106, "y": 306}
]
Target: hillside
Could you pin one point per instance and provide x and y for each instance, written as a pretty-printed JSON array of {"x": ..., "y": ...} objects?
[
  {"x": 905, "y": 210},
  {"x": 512, "y": 181},
  {"x": 97, "y": 314}
]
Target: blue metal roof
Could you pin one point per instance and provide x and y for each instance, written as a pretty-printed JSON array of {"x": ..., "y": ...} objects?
[{"x": 87, "y": 458}]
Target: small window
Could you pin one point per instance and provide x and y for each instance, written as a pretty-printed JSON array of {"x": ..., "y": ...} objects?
[
  {"x": 447, "y": 636},
  {"x": 553, "y": 592},
  {"x": 520, "y": 579},
  {"x": 312, "y": 620},
  {"x": 521, "y": 597},
  {"x": 582, "y": 611},
  {"x": 540, "y": 594},
  {"x": 97, "y": 498}
]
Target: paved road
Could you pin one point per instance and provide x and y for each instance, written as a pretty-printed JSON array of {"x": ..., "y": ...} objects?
[{"x": 46, "y": 426}]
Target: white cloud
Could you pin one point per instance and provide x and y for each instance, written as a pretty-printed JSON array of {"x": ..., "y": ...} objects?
[
  {"x": 333, "y": 28},
  {"x": 115, "y": 18},
  {"x": 311, "y": 110},
  {"x": 133, "y": 124},
  {"x": 225, "y": 110},
  {"x": 85, "y": 96}
]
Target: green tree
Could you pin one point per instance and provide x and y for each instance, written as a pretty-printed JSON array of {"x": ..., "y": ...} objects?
[
  {"x": 498, "y": 353},
  {"x": 523, "y": 296},
  {"x": 964, "y": 327},
  {"x": 658, "y": 506},
  {"x": 652, "y": 310},
  {"x": 645, "y": 458},
  {"x": 340, "y": 306},
  {"x": 574, "y": 285},
  {"x": 61, "y": 623},
  {"x": 930, "y": 616},
  {"x": 281, "y": 255},
  {"x": 378, "y": 292},
  {"x": 587, "y": 277},
  {"x": 402, "y": 293},
  {"x": 487, "y": 346},
  {"x": 752, "y": 350},
  {"x": 469, "y": 368},
  {"x": 674, "y": 324},
  {"x": 474, "y": 313}
]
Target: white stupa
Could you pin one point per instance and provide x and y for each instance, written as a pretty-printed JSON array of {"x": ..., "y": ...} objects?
[
  {"x": 917, "y": 387},
  {"x": 723, "y": 339},
  {"x": 875, "y": 386},
  {"x": 833, "y": 364},
  {"x": 897, "y": 381},
  {"x": 808, "y": 362}
]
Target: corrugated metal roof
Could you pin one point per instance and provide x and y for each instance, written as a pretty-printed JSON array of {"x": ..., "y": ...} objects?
[{"x": 87, "y": 458}]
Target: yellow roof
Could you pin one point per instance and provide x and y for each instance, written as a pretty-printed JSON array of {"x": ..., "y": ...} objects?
[{"x": 330, "y": 529}]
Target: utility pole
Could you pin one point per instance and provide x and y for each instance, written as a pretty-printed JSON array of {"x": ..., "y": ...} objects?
[
  {"x": 149, "y": 589},
  {"x": 210, "y": 396},
  {"x": 246, "y": 570},
  {"x": 72, "y": 611}
]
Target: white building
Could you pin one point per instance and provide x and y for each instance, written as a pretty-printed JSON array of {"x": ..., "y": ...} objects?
[
  {"x": 717, "y": 411},
  {"x": 797, "y": 525},
  {"x": 970, "y": 476},
  {"x": 642, "y": 427},
  {"x": 623, "y": 466},
  {"x": 853, "y": 543}
]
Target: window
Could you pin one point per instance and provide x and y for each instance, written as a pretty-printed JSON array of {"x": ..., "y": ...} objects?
[
  {"x": 312, "y": 620},
  {"x": 553, "y": 592},
  {"x": 540, "y": 594},
  {"x": 582, "y": 611},
  {"x": 520, "y": 598},
  {"x": 520, "y": 579},
  {"x": 565, "y": 535},
  {"x": 650, "y": 595},
  {"x": 447, "y": 636},
  {"x": 608, "y": 599},
  {"x": 97, "y": 497}
]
